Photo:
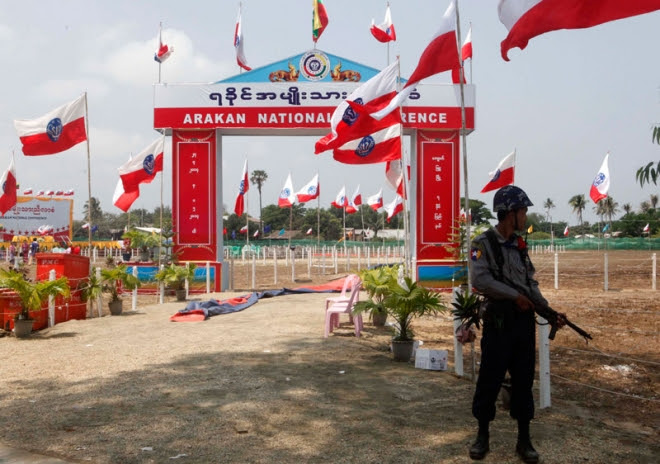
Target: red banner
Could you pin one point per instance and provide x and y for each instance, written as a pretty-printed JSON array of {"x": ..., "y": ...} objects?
[
  {"x": 438, "y": 194},
  {"x": 193, "y": 192}
]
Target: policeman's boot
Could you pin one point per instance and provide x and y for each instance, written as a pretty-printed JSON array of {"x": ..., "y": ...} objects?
[
  {"x": 524, "y": 447},
  {"x": 480, "y": 447}
]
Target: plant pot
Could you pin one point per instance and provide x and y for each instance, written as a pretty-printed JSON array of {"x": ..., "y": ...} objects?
[
  {"x": 180, "y": 294},
  {"x": 116, "y": 307},
  {"x": 23, "y": 327},
  {"x": 378, "y": 319},
  {"x": 126, "y": 257},
  {"x": 402, "y": 350}
]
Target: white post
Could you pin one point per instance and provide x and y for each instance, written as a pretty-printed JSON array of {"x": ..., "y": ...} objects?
[
  {"x": 309, "y": 263},
  {"x": 348, "y": 259},
  {"x": 99, "y": 300},
  {"x": 334, "y": 257},
  {"x": 653, "y": 272},
  {"x": 51, "y": 302},
  {"x": 161, "y": 288},
  {"x": 187, "y": 287},
  {"x": 286, "y": 257},
  {"x": 208, "y": 277},
  {"x": 359, "y": 257},
  {"x": 368, "y": 257},
  {"x": 458, "y": 347},
  {"x": 134, "y": 300},
  {"x": 606, "y": 271},
  {"x": 556, "y": 271},
  {"x": 323, "y": 258},
  {"x": 254, "y": 271},
  {"x": 275, "y": 264},
  {"x": 544, "y": 364},
  {"x": 293, "y": 266}
]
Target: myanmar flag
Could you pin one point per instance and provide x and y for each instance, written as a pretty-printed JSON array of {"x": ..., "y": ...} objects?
[{"x": 320, "y": 19}]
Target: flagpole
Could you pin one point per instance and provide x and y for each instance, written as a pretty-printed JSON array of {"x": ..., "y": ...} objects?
[
  {"x": 468, "y": 218},
  {"x": 470, "y": 58},
  {"x": 406, "y": 232},
  {"x": 160, "y": 235},
  {"x": 318, "y": 212},
  {"x": 89, "y": 182},
  {"x": 160, "y": 41}
]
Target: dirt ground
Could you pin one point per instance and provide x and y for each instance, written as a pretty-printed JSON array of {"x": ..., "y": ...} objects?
[{"x": 264, "y": 386}]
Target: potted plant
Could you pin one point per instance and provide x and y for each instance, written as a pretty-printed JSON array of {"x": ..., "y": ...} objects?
[
  {"x": 91, "y": 290},
  {"x": 467, "y": 310},
  {"x": 32, "y": 296},
  {"x": 111, "y": 280},
  {"x": 404, "y": 301},
  {"x": 143, "y": 241},
  {"x": 175, "y": 277},
  {"x": 376, "y": 283}
]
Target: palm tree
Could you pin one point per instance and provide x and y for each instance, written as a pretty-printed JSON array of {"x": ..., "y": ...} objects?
[
  {"x": 258, "y": 178},
  {"x": 548, "y": 205},
  {"x": 627, "y": 207},
  {"x": 96, "y": 211},
  {"x": 645, "y": 206},
  {"x": 654, "y": 201},
  {"x": 578, "y": 203}
]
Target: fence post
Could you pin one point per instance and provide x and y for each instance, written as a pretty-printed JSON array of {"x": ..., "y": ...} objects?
[
  {"x": 309, "y": 262},
  {"x": 254, "y": 271},
  {"x": 359, "y": 257},
  {"x": 134, "y": 299},
  {"x": 335, "y": 258},
  {"x": 293, "y": 265},
  {"x": 51, "y": 302},
  {"x": 653, "y": 272},
  {"x": 275, "y": 264},
  {"x": 544, "y": 364},
  {"x": 556, "y": 271},
  {"x": 606, "y": 272},
  {"x": 231, "y": 271},
  {"x": 458, "y": 347}
]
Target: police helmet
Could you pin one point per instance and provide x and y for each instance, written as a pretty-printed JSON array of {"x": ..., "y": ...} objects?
[{"x": 510, "y": 198}]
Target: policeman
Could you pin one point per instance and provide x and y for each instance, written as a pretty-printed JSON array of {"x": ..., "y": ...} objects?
[{"x": 503, "y": 273}]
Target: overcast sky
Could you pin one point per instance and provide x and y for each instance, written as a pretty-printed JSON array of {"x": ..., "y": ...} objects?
[{"x": 562, "y": 103}]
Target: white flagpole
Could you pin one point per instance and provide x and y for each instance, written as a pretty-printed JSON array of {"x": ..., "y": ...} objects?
[
  {"x": 160, "y": 41},
  {"x": 468, "y": 219},
  {"x": 318, "y": 212},
  {"x": 160, "y": 234},
  {"x": 247, "y": 212},
  {"x": 89, "y": 182}
]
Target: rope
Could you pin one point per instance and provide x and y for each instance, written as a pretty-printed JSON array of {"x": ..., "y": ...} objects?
[
  {"x": 637, "y": 397},
  {"x": 597, "y": 351}
]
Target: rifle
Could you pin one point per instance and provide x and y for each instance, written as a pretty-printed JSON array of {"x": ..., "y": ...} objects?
[{"x": 550, "y": 315}]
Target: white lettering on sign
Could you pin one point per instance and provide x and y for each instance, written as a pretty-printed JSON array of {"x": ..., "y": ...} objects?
[
  {"x": 208, "y": 118},
  {"x": 291, "y": 118},
  {"x": 412, "y": 117}
]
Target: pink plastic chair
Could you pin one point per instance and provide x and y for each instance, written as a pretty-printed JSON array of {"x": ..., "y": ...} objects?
[
  {"x": 349, "y": 281},
  {"x": 337, "y": 308}
]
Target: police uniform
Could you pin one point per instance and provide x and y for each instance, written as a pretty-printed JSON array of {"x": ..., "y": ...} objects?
[{"x": 508, "y": 341}]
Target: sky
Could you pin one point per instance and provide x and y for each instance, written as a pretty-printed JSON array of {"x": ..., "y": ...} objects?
[{"x": 562, "y": 103}]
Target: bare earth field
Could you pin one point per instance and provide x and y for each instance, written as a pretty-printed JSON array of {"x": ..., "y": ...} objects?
[{"x": 264, "y": 386}]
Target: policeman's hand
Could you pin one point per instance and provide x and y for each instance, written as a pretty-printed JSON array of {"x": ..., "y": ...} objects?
[
  {"x": 561, "y": 320},
  {"x": 524, "y": 303}
]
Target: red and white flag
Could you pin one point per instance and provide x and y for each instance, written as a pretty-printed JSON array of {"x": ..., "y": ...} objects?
[
  {"x": 244, "y": 229},
  {"x": 124, "y": 200},
  {"x": 646, "y": 229},
  {"x": 531, "y": 18},
  {"x": 601, "y": 183},
  {"x": 238, "y": 44},
  {"x": 287, "y": 196},
  {"x": 164, "y": 51},
  {"x": 57, "y": 131},
  {"x": 394, "y": 177},
  {"x": 68, "y": 193},
  {"x": 384, "y": 32},
  {"x": 440, "y": 55},
  {"x": 243, "y": 187},
  {"x": 503, "y": 174},
  {"x": 356, "y": 200},
  {"x": 309, "y": 191},
  {"x": 41, "y": 192},
  {"x": 566, "y": 232},
  {"x": 143, "y": 168},
  {"x": 347, "y": 124},
  {"x": 256, "y": 233},
  {"x": 377, "y": 147},
  {"x": 50, "y": 192},
  {"x": 340, "y": 201},
  {"x": 466, "y": 49},
  {"x": 394, "y": 208},
  {"x": 309, "y": 231},
  {"x": 27, "y": 191},
  {"x": 8, "y": 189},
  {"x": 375, "y": 202}
]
